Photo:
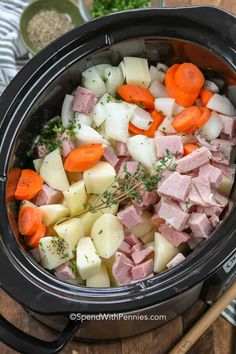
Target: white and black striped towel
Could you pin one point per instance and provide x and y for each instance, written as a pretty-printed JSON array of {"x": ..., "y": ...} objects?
[{"x": 13, "y": 56}]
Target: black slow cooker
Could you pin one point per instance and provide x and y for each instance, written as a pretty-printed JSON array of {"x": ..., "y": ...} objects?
[{"x": 203, "y": 35}]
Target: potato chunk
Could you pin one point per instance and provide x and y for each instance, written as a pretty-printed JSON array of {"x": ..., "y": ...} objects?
[
  {"x": 71, "y": 231},
  {"x": 164, "y": 252},
  {"x": 101, "y": 279},
  {"x": 53, "y": 213},
  {"x": 87, "y": 260},
  {"x": 98, "y": 178},
  {"x": 75, "y": 197}
]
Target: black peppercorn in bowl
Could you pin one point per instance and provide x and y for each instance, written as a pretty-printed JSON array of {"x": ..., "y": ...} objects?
[{"x": 35, "y": 95}]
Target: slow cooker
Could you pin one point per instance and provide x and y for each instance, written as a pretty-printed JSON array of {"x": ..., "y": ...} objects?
[{"x": 202, "y": 35}]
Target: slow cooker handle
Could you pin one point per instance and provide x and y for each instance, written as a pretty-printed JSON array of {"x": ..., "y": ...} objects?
[{"x": 26, "y": 344}]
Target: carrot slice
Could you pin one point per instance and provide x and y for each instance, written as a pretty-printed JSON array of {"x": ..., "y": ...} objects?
[
  {"x": 29, "y": 219},
  {"x": 138, "y": 95},
  {"x": 205, "y": 96},
  {"x": 189, "y": 148},
  {"x": 186, "y": 120},
  {"x": 12, "y": 181},
  {"x": 189, "y": 78},
  {"x": 33, "y": 241},
  {"x": 157, "y": 120},
  {"x": 83, "y": 158},
  {"x": 182, "y": 98},
  {"x": 205, "y": 116},
  {"x": 29, "y": 185}
]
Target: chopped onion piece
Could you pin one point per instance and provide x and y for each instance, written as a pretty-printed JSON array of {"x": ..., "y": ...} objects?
[
  {"x": 87, "y": 135},
  {"x": 221, "y": 104},
  {"x": 165, "y": 105},
  {"x": 211, "y": 86},
  {"x": 101, "y": 69},
  {"x": 122, "y": 68},
  {"x": 178, "y": 108},
  {"x": 67, "y": 113},
  {"x": 92, "y": 80},
  {"x": 211, "y": 130},
  {"x": 156, "y": 74},
  {"x": 143, "y": 149},
  {"x": 162, "y": 67},
  {"x": 113, "y": 78},
  {"x": 99, "y": 114},
  {"x": 158, "y": 90},
  {"x": 136, "y": 71},
  {"x": 166, "y": 126},
  {"x": 117, "y": 120},
  {"x": 141, "y": 119},
  {"x": 83, "y": 119}
]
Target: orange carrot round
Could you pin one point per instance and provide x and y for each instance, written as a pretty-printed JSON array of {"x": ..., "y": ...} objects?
[
  {"x": 138, "y": 95},
  {"x": 205, "y": 116},
  {"x": 182, "y": 98},
  {"x": 205, "y": 96},
  {"x": 29, "y": 219},
  {"x": 28, "y": 186},
  {"x": 189, "y": 148},
  {"x": 12, "y": 180},
  {"x": 150, "y": 132},
  {"x": 189, "y": 78},
  {"x": 186, "y": 119},
  {"x": 33, "y": 241},
  {"x": 83, "y": 158}
]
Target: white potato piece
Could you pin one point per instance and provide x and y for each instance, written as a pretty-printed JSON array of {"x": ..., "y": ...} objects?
[
  {"x": 113, "y": 78},
  {"x": 92, "y": 80},
  {"x": 165, "y": 106},
  {"x": 82, "y": 119},
  {"x": 158, "y": 90},
  {"x": 87, "y": 260},
  {"x": 117, "y": 120},
  {"x": 75, "y": 197},
  {"x": 148, "y": 237},
  {"x": 101, "y": 69},
  {"x": 107, "y": 234},
  {"x": 67, "y": 113},
  {"x": 151, "y": 243},
  {"x": 156, "y": 74},
  {"x": 143, "y": 149},
  {"x": 221, "y": 104},
  {"x": 226, "y": 186},
  {"x": 137, "y": 71},
  {"x": 71, "y": 231},
  {"x": 87, "y": 135},
  {"x": 164, "y": 252},
  {"x": 99, "y": 177},
  {"x": 141, "y": 119},
  {"x": 88, "y": 219},
  {"x": 109, "y": 264},
  {"x": 99, "y": 280},
  {"x": 211, "y": 130},
  {"x": 54, "y": 251},
  {"x": 37, "y": 164},
  {"x": 53, "y": 213},
  {"x": 52, "y": 171},
  {"x": 140, "y": 230}
]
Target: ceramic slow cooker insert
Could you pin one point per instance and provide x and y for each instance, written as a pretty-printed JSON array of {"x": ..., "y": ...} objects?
[{"x": 202, "y": 35}]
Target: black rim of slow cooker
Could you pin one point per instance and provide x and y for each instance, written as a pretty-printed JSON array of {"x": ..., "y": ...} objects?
[{"x": 26, "y": 275}]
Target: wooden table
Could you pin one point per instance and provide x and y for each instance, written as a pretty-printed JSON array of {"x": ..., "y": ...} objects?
[{"x": 218, "y": 339}]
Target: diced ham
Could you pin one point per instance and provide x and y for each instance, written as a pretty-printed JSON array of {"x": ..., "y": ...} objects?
[
  {"x": 228, "y": 171},
  {"x": 171, "y": 143},
  {"x": 194, "y": 160},
  {"x": 229, "y": 125},
  {"x": 120, "y": 162},
  {"x": 125, "y": 248},
  {"x": 129, "y": 216},
  {"x": 173, "y": 236},
  {"x": 220, "y": 199},
  {"x": 156, "y": 207},
  {"x": 142, "y": 255},
  {"x": 173, "y": 214},
  {"x": 214, "y": 220},
  {"x": 64, "y": 272},
  {"x": 211, "y": 210},
  {"x": 219, "y": 157},
  {"x": 203, "y": 187},
  {"x": 142, "y": 270},
  {"x": 129, "y": 166},
  {"x": 199, "y": 224},
  {"x": 110, "y": 157},
  {"x": 157, "y": 221},
  {"x": 67, "y": 144},
  {"x": 223, "y": 146},
  {"x": 35, "y": 254},
  {"x": 149, "y": 198},
  {"x": 194, "y": 197},
  {"x": 42, "y": 150},
  {"x": 193, "y": 242},
  {"x": 48, "y": 196},
  {"x": 176, "y": 186},
  {"x": 121, "y": 149},
  {"x": 85, "y": 101},
  {"x": 142, "y": 279},
  {"x": 137, "y": 247},
  {"x": 203, "y": 142},
  {"x": 121, "y": 269},
  {"x": 213, "y": 174},
  {"x": 131, "y": 240},
  {"x": 164, "y": 175},
  {"x": 176, "y": 260}
]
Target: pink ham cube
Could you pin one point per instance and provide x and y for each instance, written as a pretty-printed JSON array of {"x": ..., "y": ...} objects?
[
  {"x": 176, "y": 186},
  {"x": 212, "y": 173},
  {"x": 129, "y": 216},
  {"x": 173, "y": 215},
  {"x": 110, "y": 157},
  {"x": 173, "y": 236},
  {"x": 176, "y": 260},
  {"x": 194, "y": 160},
  {"x": 140, "y": 256},
  {"x": 48, "y": 196},
  {"x": 85, "y": 101},
  {"x": 171, "y": 143},
  {"x": 200, "y": 225},
  {"x": 142, "y": 270},
  {"x": 125, "y": 248},
  {"x": 121, "y": 269}
]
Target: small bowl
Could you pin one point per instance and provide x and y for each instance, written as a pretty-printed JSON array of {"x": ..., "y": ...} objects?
[{"x": 63, "y": 6}]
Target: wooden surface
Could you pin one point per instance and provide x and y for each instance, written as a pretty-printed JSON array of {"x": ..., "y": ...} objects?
[{"x": 218, "y": 339}]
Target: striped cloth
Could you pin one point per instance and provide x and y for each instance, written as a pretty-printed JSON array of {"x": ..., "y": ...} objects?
[{"x": 13, "y": 57}]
